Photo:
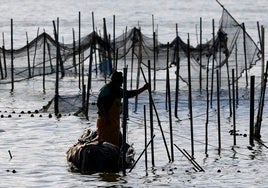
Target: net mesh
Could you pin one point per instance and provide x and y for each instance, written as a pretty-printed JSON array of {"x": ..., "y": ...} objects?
[{"x": 231, "y": 48}]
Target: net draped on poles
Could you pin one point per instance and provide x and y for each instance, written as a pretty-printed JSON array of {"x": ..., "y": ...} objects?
[{"x": 230, "y": 48}]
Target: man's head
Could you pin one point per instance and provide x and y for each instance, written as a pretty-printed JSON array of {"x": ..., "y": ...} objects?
[{"x": 117, "y": 78}]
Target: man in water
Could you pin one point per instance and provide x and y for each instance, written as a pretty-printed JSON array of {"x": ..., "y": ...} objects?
[{"x": 109, "y": 108}]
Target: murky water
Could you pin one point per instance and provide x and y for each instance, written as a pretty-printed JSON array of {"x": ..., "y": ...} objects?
[{"x": 33, "y": 145}]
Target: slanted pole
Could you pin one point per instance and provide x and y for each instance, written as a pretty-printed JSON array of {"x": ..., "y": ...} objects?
[{"x": 245, "y": 52}]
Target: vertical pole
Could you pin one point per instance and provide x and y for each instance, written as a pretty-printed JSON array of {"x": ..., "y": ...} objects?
[
  {"x": 251, "y": 125},
  {"x": 207, "y": 113},
  {"x": 1, "y": 69},
  {"x": 56, "y": 98},
  {"x": 12, "y": 58},
  {"x": 4, "y": 55},
  {"x": 177, "y": 56},
  {"x": 74, "y": 51},
  {"x": 94, "y": 42},
  {"x": 124, "y": 120},
  {"x": 213, "y": 62},
  {"x": 151, "y": 113},
  {"x": 218, "y": 110},
  {"x": 114, "y": 50},
  {"x": 44, "y": 61},
  {"x": 190, "y": 95},
  {"x": 154, "y": 44},
  {"x": 28, "y": 56},
  {"x": 35, "y": 48},
  {"x": 79, "y": 49},
  {"x": 89, "y": 80},
  {"x": 145, "y": 139},
  {"x": 234, "y": 122},
  {"x": 200, "y": 57}
]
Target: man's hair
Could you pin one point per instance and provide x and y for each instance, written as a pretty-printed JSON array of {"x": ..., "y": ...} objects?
[{"x": 117, "y": 77}]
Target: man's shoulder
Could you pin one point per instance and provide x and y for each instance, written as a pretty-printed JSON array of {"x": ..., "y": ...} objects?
[{"x": 105, "y": 90}]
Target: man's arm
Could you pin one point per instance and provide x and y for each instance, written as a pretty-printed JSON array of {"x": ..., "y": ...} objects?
[{"x": 133, "y": 93}]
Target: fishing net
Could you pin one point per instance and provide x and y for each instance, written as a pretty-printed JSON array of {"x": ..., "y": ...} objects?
[{"x": 230, "y": 49}]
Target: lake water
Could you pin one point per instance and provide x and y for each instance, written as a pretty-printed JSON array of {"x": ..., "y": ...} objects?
[{"x": 33, "y": 145}]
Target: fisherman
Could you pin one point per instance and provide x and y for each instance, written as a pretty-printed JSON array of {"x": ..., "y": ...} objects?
[{"x": 109, "y": 108}]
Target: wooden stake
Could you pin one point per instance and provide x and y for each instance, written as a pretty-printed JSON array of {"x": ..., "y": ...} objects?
[
  {"x": 251, "y": 115},
  {"x": 177, "y": 56},
  {"x": 234, "y": 122},
  {"x": 44, "y": 62},
  {"x": 12, "y": 58},
  {"x": 218, "y": 111},
  {"x": 28, "y": 56},
  {"x": 190, "y": 96}
]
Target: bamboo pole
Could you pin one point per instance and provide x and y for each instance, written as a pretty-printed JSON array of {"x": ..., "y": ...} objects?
[
  {"x": 200, "y": 57},
  {"x": 94, "y": 42},
  {"x": 114, "y": 50},
  {"x": 12, "y": 58},
  {"x": 124, "y": 124},
  {"x": 74, "y": 51},
  {"x": 207, "y": 110},
  {"x": 251, "y": 115},
  {"x": 56, "y": 98},
  {"x": 213, "y": 62},
  {"x": 35, "y": 48},
  {"x": 145, "y": 140},
  {"x": 190, "y": 95},
  {"x": 44, "y": 62},
  {"x": 245, "y": 52},
  {"x": 4, "y": 55},
  {"x": 79, "y": 50},
  {"x": 218, "y": 111},
  {"x": 28, "y": 56},
  {"x": 191, "y": 159},
  {"x": 1, "y": 68},
  {"x": 151, "y": 113},
  {"x": 49, "y": 57},
  {"x": 177, "y": 56},
  {"x": 153, "y": 107},
  {"x": 89, "y": 80},
  {"x": 139, "y": 67},
  {"x": 145, "y": 149},
  {"x": 234, "y": 120},
  {"x": 257, "y": 130}
]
